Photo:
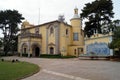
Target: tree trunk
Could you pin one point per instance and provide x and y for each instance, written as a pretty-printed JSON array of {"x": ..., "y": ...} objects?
[{"x": 119, "y": 53}]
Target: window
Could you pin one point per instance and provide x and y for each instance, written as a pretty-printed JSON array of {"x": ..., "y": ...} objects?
[
  {"x": 37, "y": 30},
  {"x": 51, "y": 30},
  {"x": 75, "y": 51},
  {"x": 75, "y": 36},
  {"x": 66, "y": 31}
]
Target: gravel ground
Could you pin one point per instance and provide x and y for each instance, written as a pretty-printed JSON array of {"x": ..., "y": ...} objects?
[{"x": 73, "y": 69}]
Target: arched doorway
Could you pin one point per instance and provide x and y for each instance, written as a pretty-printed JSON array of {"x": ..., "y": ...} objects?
[
  {"x": 37, "y": 52},
  {"x": 51, "y": 50},
  {"x": 24, "y": 48}
]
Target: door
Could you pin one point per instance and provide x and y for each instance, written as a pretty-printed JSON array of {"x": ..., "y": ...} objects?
[
  {"x": 37, "y": 52},
  {"x": 51, "y": 50}
]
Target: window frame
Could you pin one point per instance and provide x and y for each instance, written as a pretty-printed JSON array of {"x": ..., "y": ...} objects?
[
  {"x": 75, "y": 36},
  {"x": 51, "y": 30}
]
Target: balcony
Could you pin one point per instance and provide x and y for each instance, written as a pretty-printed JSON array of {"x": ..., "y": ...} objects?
[{"x": 30, "y": 35}]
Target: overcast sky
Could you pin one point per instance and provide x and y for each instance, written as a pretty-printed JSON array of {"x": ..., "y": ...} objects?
[{"x": 49, "y": 9}]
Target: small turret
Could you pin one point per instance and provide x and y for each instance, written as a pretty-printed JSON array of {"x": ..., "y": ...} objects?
[
  {"x": 26, "y": 24},
  {"x": 76, "y": 21},
  {"x": 75, "y": 13},
  {"x": 77, "y": 29}
]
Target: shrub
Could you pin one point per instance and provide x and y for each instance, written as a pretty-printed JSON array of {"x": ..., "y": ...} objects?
[
  {"x": 2, "y": 60},
  {"x": 50, "y": 55},
  {"x": 13, "y": 61},
  {"x": 8, "y": 54},
  {"x": 55, "y": 56},
  {"x": 26, "y": 55},
  {"x": 2, "y": 54},
  {"x": 17, "y": 60}
]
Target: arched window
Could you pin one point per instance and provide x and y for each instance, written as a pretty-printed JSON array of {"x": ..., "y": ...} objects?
[{"x": 51, "y": 30}]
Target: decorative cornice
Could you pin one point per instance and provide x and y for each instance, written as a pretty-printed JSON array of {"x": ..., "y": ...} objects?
[{"x": 51, "y": 44}]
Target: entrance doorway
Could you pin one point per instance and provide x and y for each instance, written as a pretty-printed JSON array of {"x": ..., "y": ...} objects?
[
  {"x": 51, "y": 50},
  {"x": 25, "y": 50},
  {"x": 37, "y": 52},
  {"x": 80, "y": 51}
]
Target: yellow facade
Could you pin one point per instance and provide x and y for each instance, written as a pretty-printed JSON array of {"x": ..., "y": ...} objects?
[
  {"x": 97, "y": 39},
  {"x": 55, "y": 37}
]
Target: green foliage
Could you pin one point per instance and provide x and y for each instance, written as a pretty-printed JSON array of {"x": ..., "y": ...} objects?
[
  {"x": 55, "y": 56},
  {"x": 97, "y": 13},
  {"x": 115, "y": 44},
  {"x": 116, "y": 39},
  {"x": 50, "y": 56},
  {"x": 14, "y": 44},
  {"x": 114, "y": 25},
  {"x": 26, "y": 55},
  {"x": 16, "y": 70},
  {"x": 1, "y": 41},
  {"x": 9, "y": 20},
  {"x": 8, "y": 54}
]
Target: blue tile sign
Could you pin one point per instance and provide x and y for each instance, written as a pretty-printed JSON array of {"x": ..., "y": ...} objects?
[{"x": 98, "y": 49}]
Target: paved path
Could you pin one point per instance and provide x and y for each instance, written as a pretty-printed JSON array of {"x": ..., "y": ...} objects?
[{"x": 73, "y": 69}]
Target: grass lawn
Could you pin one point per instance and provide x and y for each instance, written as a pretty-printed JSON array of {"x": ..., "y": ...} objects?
[{"x": 16, "y": 70}]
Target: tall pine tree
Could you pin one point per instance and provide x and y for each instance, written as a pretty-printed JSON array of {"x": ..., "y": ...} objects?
[
  {"x": 9, "y": 20},
  {"x": 97, "y": 13}
]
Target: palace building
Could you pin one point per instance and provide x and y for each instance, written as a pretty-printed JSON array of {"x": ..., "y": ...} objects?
[{"x": 55, "y": 37}]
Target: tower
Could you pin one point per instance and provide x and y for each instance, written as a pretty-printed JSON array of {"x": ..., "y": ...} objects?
[{"x": 77, "y": 32}]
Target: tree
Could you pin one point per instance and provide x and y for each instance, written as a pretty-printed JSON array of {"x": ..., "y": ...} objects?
[
  {"x": 1, "y": 41},
  {"x": 9, "y": 20},
  {"x": 14, "y": 44},
  {"x": 97, "y": 13},
  {"x": 115, "y": 44}
]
